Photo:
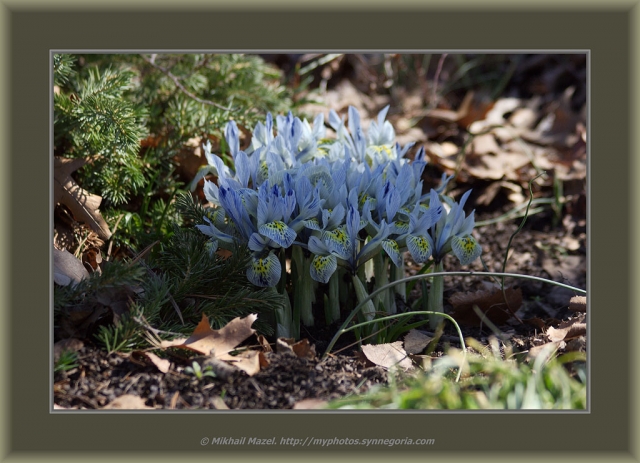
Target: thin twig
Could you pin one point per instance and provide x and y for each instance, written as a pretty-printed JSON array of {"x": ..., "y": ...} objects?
[
  {"x": 437, "y": 77},
  {"x": 182, "y": 88},
  {"x": 115, "y": 228}
]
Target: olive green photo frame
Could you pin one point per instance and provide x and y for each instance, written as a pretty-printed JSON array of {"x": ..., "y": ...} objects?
[{"x": 30, "y": 30}]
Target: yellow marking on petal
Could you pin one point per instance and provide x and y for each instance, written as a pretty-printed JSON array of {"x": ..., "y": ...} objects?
[
  {"x": 419, "y": 248},
  {"x": 339, "y": 235},
  {"x": 402, "y": 226},
  {"x": 320, "y": 263}
]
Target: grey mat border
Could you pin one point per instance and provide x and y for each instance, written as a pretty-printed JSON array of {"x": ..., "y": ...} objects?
[{"x": 26, "y": 428}]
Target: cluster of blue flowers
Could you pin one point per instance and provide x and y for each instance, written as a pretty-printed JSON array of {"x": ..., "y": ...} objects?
[{"x": 342, "y": 199}]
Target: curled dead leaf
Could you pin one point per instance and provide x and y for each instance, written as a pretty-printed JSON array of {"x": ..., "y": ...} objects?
[
  {"x": 578, "y": 304},
  {"x": 266, "y": 347},
  {"x": 415, "y": 341},
  {"x": 310, "y": 404},
  {"x": 222, "y": 341},
  {"x": 491, "y": 303},
  {"x": 127, "y": 402},
  {"x": 83, "y": 205},
  {"x": 218, "y": 345},
  {"x": 247, "y": 361},
  {"x": 66, "y": 345},
  {"x": 67, "y": 269},
  {"x": 568, "y": 329},
  {"x": 388, "y": 356},
  {"x": 301, "y": 349},
  {"x": 163, "y": 365}
]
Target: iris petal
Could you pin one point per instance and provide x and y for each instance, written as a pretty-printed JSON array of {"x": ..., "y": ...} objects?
[
  {"x": 420, "y": 247},
  {"x": 466, "y": 249},
  {"x": 322, "y": 267},
  {"x": 279, "y": 232},
  {"x": 393, "y": 251},
  {"x": 265, "y": 271},
  {"x": 338, "y": 242}
]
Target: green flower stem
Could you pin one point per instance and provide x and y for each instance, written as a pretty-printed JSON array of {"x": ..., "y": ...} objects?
[
  {"x": 364, "y": 299},
  {"x": 435, "y": 300},
  {"x": 343, "y": 288},
  {"x": 361, "y": 303},
  {"x": 332, "y": 302},
  {"x": 284, "y": 320},
  {"x": 381, "y": 272},
  {"x": 398, "y": 273},
  {"x": 302, "y": 288}
]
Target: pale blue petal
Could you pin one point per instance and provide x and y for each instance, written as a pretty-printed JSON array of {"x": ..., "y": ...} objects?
[
  {"x": 420, "y": 247},
  {"x": 466, "y": 249},
  {"x": 211, "y": 230},
  {"x": 210, "y": 190},
  {"x": 392, "y": 249},
  {"x": 202, "y": 173},
  {"x": 467, "y": 225},
  {"x": 322, "y": 267},
  {"x": 336, "y": 217},
  {"x": 231, "y": 134},
  {"x": 399, "y": 227},
  {"x": 393, "y": 204},
  {"x": 243, "y": 170},
  {"x": 318, "y": 127},
  {"x": 265, "y": 271},
  {"x": 338, "y": 242},
  {"x": 313, "y": 224},
  {"x": 316, "y": 246},
  {"x": 258, "y": 243},
  {"x": 279, "y": 232}
]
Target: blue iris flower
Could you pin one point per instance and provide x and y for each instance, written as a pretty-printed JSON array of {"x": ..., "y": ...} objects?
[
  {"x": 453, "y": 233},
  {"x": 342, "y": 245},
  {"x": 414, "y": 234},
  {"x": 343, "y": 200}
]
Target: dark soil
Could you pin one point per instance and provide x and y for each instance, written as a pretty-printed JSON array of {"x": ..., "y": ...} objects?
[{"x": 101, "y": 377}]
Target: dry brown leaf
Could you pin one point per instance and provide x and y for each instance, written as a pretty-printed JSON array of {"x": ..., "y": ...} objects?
[
  {"x": 82, "y": 204},
  {"x": 568, "y": 329},
  {"x": 127, "y": 402},
  {"x": 485, "y": 144},
  {"x": 496, "y": 166},
  {"x": 266, "y": 347},
  {"x": 222, "y": 341},
  {"x": 388, "y": 355},
  {"x": 220, "y": 368},
  {"x": 70, "y": 344},
  {"x": 489, "y": 301},
  {"x": 454, "y": 116},
  {"x": 536, "y": 350},
  {"x": 247, "y": 361},
  {"x": 93, "y": 258},
  {"x": 571, "y": 268},
  {"x": 163, "y": 365},
  {"x": 415, "y": 341},
  {"x": 174, "y": 400},
  {"x": 218, "y": 344},
  {"x": 537, "y": 322},
  {"x": 578, "y": 344},
  {"x": 301, "y": 349},
  {"x": 310, "y": 404},
  {"x": 264, "y": 361},
  {"x": 67, "y": 269},
  {"x": 219, "y": 404},
  {"x": 578, "y": 304}
]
